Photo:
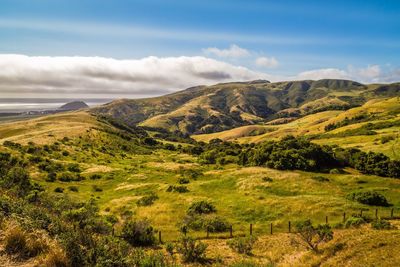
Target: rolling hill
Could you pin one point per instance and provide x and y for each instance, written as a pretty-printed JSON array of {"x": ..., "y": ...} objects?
[{"x": 207, "y": 109}]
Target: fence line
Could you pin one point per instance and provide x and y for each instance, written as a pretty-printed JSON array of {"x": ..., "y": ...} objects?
[{"x": 272, "y": 228}]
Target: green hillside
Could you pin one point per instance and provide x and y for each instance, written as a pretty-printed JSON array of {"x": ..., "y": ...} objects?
[{"x": 207, "y": 109}]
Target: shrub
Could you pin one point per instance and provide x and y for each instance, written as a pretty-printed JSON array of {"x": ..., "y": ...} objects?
[
  {"x": 73, "y": 188},
  {"x": 68, "y": 177},
  {"x": 51, "y": 177},
  {"x": 56, "y": 258},
  {"x": 242, "y": 245},
  {"x": 147, "y": 200},
  {"x": 138, "y": 233},
  {"x": 96, "y": 188},
  {"x": 59, "y": 190},
  {"x": 371, "y": 198},
  {"x": 213, "y": 224},
  {"x": 178, "y": 189},
  {"x": 150, "y": 259},
  {"x": 267, "y": 179},
  {"x": 201, "y": 207},
  {"x": 74, "y": 167},
  {"x": 65, "y": 153},
  {"x": 15, "y": 241},
  {"x": 382, "y": 225},
  {"x": 320, "y": 179},
  {"x": 311, "y": 236},
  {"x": 95, "y": 176},
  {"x": 354, "y": 221},
  {"x": 191, "y": 250},
  {"x": 183, "y": 181}
]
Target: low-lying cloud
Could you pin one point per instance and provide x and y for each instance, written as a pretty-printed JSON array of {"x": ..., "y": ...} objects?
[{"x": 21, "y": 74}]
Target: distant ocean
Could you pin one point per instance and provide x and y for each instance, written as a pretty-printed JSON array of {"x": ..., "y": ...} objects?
[{"x": 9, "y": 105}]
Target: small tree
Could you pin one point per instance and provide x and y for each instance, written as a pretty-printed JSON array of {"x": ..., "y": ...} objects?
[
  {"x": 192, "y": 250},
  {"x": 138, "y": 233},
  {"x": 311, "y": 236}
]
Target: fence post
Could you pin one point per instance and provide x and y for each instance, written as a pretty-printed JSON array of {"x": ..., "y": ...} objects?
[
  {"x": 159, "y": 237},
  {"x": 251, "y": 229},
  {"x": 271, "y": 228},
  {"x": 376, "y": 213},
  {"x": 391, "y": 213},
  {"x": 231, "y": 232},
  {"x": 361, "y": 211},
  {"x": 113, "y": 231},
  {"x": 326, "y": 219},
  {"x": 184, "y": 230},
  {"x": 289, "y": 226},
  {"x": 208, "y": 232},
  {"x": 344, "y": 216}
]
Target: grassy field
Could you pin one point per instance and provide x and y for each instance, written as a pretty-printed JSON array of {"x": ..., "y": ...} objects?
[{"x": 241, "y": 195}]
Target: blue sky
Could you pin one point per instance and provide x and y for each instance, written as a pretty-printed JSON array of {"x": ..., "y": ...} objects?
[{"x": 290, "y": 37}]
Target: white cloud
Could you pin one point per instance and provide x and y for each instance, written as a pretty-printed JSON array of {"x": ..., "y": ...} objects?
[
  {"x": 233, "y": 51},
  {"x": 369, "y": 74},
  {"x": 267, "y": 62},
  {"x": 329, "y": 73},
  {"x": 22, "y": 74}
]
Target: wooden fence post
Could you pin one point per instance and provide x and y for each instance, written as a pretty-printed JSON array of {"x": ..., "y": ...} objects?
[
  {"x": 391, "y": 213},
  {"x": 251, "y": 229},
  {"x": 376, "y": 213},
  {"x": 159, "y": 237},
  {"x": 344, "y": 216},
  {"x": 271, "y": 228},
  {"x": 208, "y": 232},
  {"x": 326, "y": 219},
  {"x": 113, "y": 231},
  {"x": 289, "y": 226},
  {"x": 184, "y": 230},
  {"x": 231, "y": 232},
  {"x": 361, "y": 211}
]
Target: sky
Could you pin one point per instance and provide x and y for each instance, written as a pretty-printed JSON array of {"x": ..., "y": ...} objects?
[{"x": 126, "y": 48}]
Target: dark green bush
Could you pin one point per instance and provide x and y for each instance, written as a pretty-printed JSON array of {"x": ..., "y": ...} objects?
[
  {"x": 371, "y": 198},
  {"x": 267, "y": 179},
  {"x": 138, "y": 233},
  {"x": 51, "y": 177},
  {"x": 192, "y": 250},
  {"x": 183, "y": 181},
  {"x": 59, "y": 190},
  {"x": 73, "y": 188},
  {"x": 147, "y": 200},
  {"x": 382, "y": 225},
  {"x": 178, "y": 189},
  {"x": 242, "y": 245},
  {"x": 201, "y": 207},
  {"x": 321, "y": 179},
  {"x": 354, "y": 221}
]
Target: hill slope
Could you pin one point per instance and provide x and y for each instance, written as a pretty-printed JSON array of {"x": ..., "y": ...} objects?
[{"x": 206, "y": 109}]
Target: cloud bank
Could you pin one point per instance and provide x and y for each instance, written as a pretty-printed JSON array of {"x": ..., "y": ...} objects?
[
  {"x": 21, "y": 74},
  {"x": 27, "y": 76}
]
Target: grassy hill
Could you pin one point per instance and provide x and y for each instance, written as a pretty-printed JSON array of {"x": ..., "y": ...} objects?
[
  {"x": 382, "y": 114},
  {"x": 207, "y": 109}
]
